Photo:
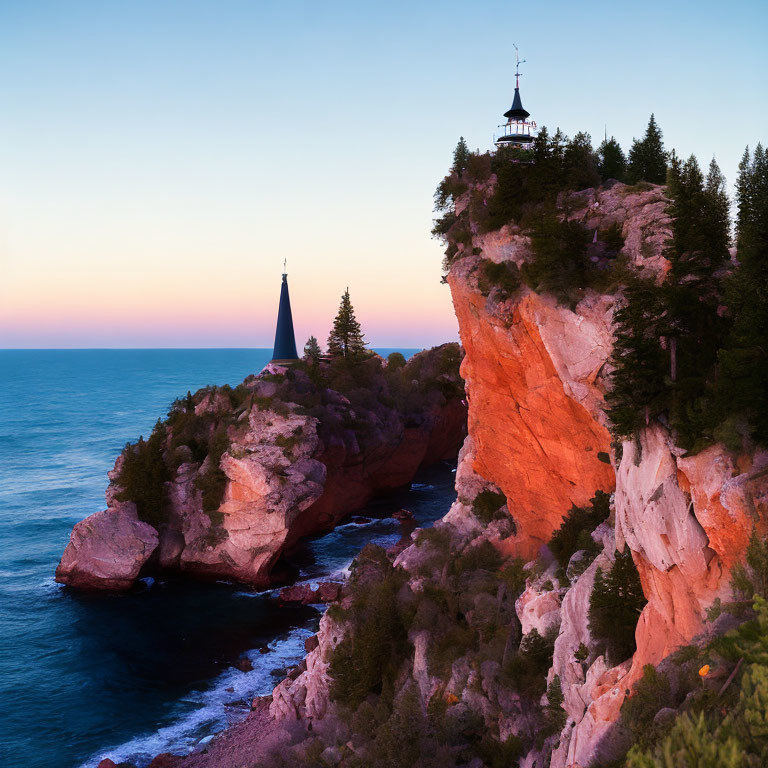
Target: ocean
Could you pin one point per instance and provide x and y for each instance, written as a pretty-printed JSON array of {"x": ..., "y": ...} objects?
[{"x": 86, "y": 676}]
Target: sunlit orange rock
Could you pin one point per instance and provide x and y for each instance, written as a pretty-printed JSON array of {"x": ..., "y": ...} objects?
[{"x": 532, "y": 370}]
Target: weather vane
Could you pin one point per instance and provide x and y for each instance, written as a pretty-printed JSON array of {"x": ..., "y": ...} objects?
[{"x": 517, "y": 65}]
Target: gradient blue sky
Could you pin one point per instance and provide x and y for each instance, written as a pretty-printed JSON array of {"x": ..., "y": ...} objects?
[{"x": 158, "y": 160}]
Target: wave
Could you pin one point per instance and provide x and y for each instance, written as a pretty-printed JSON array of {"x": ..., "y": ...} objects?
[{"x": 209, "y": 711}]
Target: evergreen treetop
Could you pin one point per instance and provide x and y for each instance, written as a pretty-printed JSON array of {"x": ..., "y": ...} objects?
[
  {"x": 346, "y": 338},
  {"x": 612, "y": 163},
  {"x": 647, "y": 158},
  {"x": 460, "y": 157},
  {"x": 312, "y": 351}
]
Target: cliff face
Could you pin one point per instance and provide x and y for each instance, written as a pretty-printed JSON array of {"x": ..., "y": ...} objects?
[
  {"x": 294, "y": 457},
  {"x": 536, "y": 376}
]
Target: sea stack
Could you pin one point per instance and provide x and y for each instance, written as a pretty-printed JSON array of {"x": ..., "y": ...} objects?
[{"x": 285, "y": 340}]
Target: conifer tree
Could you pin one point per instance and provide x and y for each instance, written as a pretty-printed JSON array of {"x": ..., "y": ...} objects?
[
  {"x": 612, "y": 163},
  {"x": 312, "y": 352},
  {"x": 346, "y": 339},
  {"x": 615, "y": 605},
  {"x": 460, "y": 157},
  {"x": 647, "y": 158},
  {"x": 743, "y": 379},
  {"x": 638, "y": 387},
  {"x": 580, "y": 163}
]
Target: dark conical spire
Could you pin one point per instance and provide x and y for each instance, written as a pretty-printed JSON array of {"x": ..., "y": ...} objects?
[
  {"x": 516, "y": 111},
  {"x": 285, "y": 341}
]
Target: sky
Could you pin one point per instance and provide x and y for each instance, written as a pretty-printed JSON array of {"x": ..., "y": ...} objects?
[{"x": 160, "y": 160}]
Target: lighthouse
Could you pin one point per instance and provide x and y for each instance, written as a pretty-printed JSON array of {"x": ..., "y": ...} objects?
[
  {"x": 285, "y": 340},
  {"x": 518, "y": 131}
]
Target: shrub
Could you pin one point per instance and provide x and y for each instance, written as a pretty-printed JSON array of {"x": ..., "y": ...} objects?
[
  {"x": 487, "y": 505},
  {"x": 751, "y": 577},
  {"x": 504, "y": 277},
  {"x": 375, "y": 644},
  {"x": 574, "y": 532},
  {"x": 615, "y": 605},
  {"x": 395, "y": 361},
  {"x": 560, "y": 264},
  {"x": 693, "y": 742},
  {"x": 526, "y": 672},
  {"x": 483, "y": 556},
  {"x": 213, "y": 482},
  {"x": 554, "y": 714},
  {"x": 652, "y": 693},
  {"x": 143, "y": 476}
]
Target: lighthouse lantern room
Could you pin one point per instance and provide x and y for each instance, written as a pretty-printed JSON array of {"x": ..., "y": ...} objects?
[{"x": 518, "y": 131}]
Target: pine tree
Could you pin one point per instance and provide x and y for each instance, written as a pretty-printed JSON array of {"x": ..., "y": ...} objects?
[
  {"x": 460, "y": 157},
  {"x": 580, "y": 163},
  {"x": 743, "y": 380},
  {"x": 312, "y": 351},
  {"x": 346, "y": 339},
  {"x": 647, "y": 158},
  {"x": 612, "y": 163},
  {"x": 639, "y": 391},
  {"x": 614, "y": 607}
]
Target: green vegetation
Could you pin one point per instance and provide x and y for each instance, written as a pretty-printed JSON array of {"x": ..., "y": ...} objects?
[
  {"x": 574, "y": 533},
  {"x": 143, "y": 475},
  {"x": 213, "y": 482},
  {"x": 464, "y": 606},
  {"x": 368, "y": 657},
  {"x": 488, "y": 505},
  {"x": 614, "y": 607},
  {"x": 647, "y": 158},
  {"x": 312, "y": 351},
  {"x": 692, "y": 350},
  {"x": 504, "y": 277},
  {"x": 560, "y": 261},
  {"x": 346, "y": 339},
  {"x": 612, "y": 162},
  {"x": 526, "y": 672}
]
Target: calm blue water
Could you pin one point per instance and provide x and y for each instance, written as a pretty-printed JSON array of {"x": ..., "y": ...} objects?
[{"x": 82, "y": 677}]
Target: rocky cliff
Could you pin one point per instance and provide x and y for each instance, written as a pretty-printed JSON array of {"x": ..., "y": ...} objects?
[
  {"x": 233, "y": 478},
  {"x": 537, "y": 372},
  {"x": 517, "y": 630},
  {"x": 486, "y": 623}
]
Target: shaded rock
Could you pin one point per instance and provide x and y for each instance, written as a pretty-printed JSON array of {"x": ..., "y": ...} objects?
[
  {"x": 244, "y": 664},
  {"x": 166, "y": 760},
  {"x": 325, "y": 592}
]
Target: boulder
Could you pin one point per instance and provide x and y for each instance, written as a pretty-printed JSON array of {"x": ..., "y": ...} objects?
[{"x": 107, "y": 550}]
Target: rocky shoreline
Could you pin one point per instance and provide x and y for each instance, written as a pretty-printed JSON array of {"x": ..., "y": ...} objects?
[
  {"x": 232, "y": 479},
  {"x": 536, "y": 373}
]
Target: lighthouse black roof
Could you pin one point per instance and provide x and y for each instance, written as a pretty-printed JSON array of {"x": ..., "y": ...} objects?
[
  {"x": 285, "y": 340},
  {"x": 516, "y": 111}
]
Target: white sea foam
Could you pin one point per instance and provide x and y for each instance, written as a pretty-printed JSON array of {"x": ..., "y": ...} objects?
[{"x": 201, "y": 714}]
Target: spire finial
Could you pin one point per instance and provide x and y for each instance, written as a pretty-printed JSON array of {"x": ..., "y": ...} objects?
[
  {"x": 285, "y": 266},
  {"x": 517, "y": 66}
]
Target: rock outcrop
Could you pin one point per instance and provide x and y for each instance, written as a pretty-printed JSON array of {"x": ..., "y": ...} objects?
[
  {"x": 234, "y": 478},
  {"x": 107, "y": 550},
  {"x": 536, "y": 374}
]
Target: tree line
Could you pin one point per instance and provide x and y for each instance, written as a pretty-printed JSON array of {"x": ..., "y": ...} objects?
[{"x": 691, "y": 352}]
